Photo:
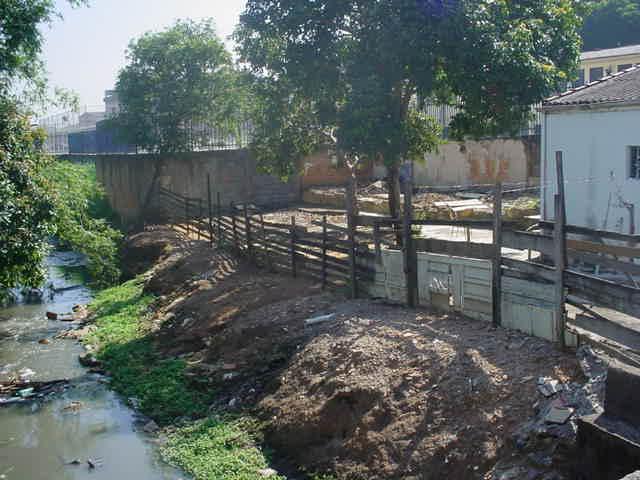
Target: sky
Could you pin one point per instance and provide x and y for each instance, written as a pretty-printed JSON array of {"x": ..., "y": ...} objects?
[{"x": 85, "y": 50}]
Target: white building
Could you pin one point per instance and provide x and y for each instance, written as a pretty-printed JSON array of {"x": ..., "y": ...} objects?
[{"x": 596, "y": 129}]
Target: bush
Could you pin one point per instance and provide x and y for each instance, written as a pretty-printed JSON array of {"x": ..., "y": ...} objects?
[{"x": 84, "y": 220}]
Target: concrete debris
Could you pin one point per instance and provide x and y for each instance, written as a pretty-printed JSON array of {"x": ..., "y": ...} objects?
[
  {"x": 267, "y": 472},
  {"x": 87, "y": 359},
  {"x": 151, "y": 427},
  {"x": 316, "y": 320},
  {"x": 549, "y": 387},
  {"x": 559, "y": 415}
]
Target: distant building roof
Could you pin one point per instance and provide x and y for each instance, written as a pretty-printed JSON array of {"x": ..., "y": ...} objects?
[
  {"x": 620, "y": 88},
  {"x": 611, "y": 52}
]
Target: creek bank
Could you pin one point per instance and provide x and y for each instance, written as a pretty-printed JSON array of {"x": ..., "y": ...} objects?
[{"x": 372, "y": 391}]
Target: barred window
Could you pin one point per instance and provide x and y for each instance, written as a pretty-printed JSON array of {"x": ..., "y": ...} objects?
[{"x": 634, "y": 162}]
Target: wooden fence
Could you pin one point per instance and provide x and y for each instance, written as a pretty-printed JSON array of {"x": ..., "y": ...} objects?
[
  {"x": 326, "y": 253},
  {"x": 346, "y": 255}
]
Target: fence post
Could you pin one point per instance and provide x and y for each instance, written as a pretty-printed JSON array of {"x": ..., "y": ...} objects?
[
  {"x": 377, "y": 242},
  {"x": 219, "y": 218},
  {"x": 200, "y": 213},
  {"x": 292, "y": 232},
  {"x": 210, "y": 207},
  {"x": 267, "y": 261},
  {"x": 233, "y": 224},
  {"x": 324, "y": 252},
  {"x": 186, "y": 216},
  {"x": 496, "y": 285},
  {"x": 410, "y": 260},
  {"x": 560, "y": 251},
  {"x": 351, "y": 236},
  {"x": 247, "y": 226}
]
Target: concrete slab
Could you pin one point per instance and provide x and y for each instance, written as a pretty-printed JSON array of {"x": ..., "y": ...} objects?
[
  {"x": 622, "y": 399},
  {"x": 605, "y": 454}
]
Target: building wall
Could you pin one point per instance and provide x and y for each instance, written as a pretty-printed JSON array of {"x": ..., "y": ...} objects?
[
  {"x": 480, "y": 162},
  {"x": 128, "y": 180},
  {"x": 596, "y": 166}
]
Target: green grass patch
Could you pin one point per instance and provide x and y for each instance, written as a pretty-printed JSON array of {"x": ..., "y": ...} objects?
[
  {"x": 137, "y": 370},
  {"x": 218, "y": 448}
]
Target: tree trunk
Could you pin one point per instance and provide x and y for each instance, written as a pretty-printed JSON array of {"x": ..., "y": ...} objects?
[
  {"x": 351, "y": 196},
  {"x": 393, "y": 183}
]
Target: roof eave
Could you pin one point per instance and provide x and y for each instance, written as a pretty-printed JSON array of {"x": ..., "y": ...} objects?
[{"x": 590, "y": 105}]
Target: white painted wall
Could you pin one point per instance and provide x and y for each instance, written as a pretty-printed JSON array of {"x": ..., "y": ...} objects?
[{"x": 596, "y": 165}]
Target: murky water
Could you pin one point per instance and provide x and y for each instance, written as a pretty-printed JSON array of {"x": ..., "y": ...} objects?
[{"x": 40, "y": 439}]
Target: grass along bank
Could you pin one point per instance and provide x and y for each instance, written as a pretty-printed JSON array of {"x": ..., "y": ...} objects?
[{"x": 205, "y": 445}]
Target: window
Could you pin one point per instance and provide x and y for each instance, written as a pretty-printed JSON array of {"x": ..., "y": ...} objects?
[
  {"x": 624, "y": 67},
  {"x": 596, "y": 74},
  {"x": 634, "y": 162}
]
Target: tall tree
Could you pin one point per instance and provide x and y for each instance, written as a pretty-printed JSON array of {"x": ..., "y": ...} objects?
[
  {"x": 26, "y": 203},
  {"x": 177, "y": 80},
  {"x": 612, "y": 23},
  {"x": 361, "y": 64}
]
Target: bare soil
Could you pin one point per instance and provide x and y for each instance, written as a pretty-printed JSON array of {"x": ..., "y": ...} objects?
[{"x": 377, "y": 392}]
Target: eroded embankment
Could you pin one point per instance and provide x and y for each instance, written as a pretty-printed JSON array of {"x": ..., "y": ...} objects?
[{"x": 376, "y": 392}]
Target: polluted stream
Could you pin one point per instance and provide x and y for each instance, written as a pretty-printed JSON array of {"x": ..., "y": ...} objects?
[{"x": 83, "y": 430}]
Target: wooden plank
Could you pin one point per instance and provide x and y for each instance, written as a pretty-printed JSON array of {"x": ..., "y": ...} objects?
[
  {"x": 542, "y": 272},
  {"x": 371, "y": 220},
  {"x": 528, "y": 241},
  {"x": 496, "y": 284},
  {"x": 484, "y": 251},
  {"x": 623, "y": 298},
  {"x": 324, "y": 252},
  {"x": 605, "y": 234},
  {"x": 560, "y": 254},
  {"x": 617, "y": 265},
  {"x": 592, "y": 247}
]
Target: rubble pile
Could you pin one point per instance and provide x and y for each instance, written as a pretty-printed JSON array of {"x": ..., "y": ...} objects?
[{"x": 544, "y": 445}]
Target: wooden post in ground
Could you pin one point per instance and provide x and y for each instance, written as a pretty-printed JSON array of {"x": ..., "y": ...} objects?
[
  {"x": 247, "y": 226},
  {"x": 496, "y": 284},
  {"x": 210, "y": 208},
  {"x": 292, "y": 246},
  {"x": 324, "y": 252},
  {"x": 200, "y": 213},
  {"x": 186, "y": 216},
  {"x": 267, "y": 262},
  {"x": 234, "y": 227},
  {"x": 560, "y": 252},
  {"x": 408, "y": 248},
  {"x": 219, "y": 218},
  {"x": 351, "y": 236},
  {"x": 377, "y": 242}
]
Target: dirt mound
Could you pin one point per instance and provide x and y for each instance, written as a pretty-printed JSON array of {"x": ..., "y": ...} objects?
[
  {"x": 143, "y": 250},
  {"x": 388, "y": 393}
]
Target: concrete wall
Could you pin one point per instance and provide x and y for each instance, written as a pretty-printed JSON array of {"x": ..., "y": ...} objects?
[
  {"x": 479, "y": 162},
  {"x": 128, "y": 179},
  {"x": 320, "y": 171},
  {"x": 595, "y": 146}
]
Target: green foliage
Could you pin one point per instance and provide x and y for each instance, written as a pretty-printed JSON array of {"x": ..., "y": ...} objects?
[
  {"x": 176, "y": 78},
  {"x": 21, "y": 41},
  {"x": 137, "y": 369},
  {"x": 26, "y": 208},
  {"x": 612, "y": 23},
  {"x": 84, "y": 219},
  {"x": 218, "y": 448},
  {"x": 359, "y": 65},
  {"x": 222, "y": 447}
]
